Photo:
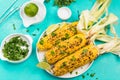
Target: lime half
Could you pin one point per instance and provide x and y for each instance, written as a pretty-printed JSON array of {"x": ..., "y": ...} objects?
[{"x": 31, "y": 9}]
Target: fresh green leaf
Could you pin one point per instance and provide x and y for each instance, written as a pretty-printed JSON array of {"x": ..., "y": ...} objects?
[
  {"x": 84, "y": 51},
  {"x": 63, "y": 65},
  {"x": 92, "y": 74},
  {"x": 53, "y": 34},
  {"x": 33, "y": 34},
  {"x": 83, "y": 76},
  {"x": 52, "y": 52},
  {"x": 41, "y": 41},
  {"x": 62, "y": 52},
  {"x": 47, "y": 1},
  {"x": 14, "y": 27},
  {"x": 73, "y": 58}
]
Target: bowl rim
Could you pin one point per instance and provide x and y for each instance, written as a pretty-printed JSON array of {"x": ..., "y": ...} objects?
[
  {"x": 67, "y": 9},
  {"x": 35, "y": 2},
  {"x": 10, "y": 36}
]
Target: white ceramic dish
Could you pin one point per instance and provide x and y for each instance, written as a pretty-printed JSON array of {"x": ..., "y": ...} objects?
[
  {"x": 64, "y": 13},
  {"x": 27, "y": 21},
  {"x": 27, "y": 38},
  {"x": 80, "y": 70}
]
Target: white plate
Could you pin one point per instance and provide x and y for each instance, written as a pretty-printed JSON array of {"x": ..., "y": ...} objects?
[{"x": 80, "y": 70}]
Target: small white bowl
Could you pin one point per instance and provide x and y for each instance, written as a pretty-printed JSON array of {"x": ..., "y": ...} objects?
[
  {"x": 27, "y": 38},
  {"x": 27, "y": 21},
  {"x": 64, "y": 13}
]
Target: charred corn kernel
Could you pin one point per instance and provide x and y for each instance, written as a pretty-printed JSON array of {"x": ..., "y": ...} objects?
[
  {"x": 75, "y": 60},
  {"x": 61, "y": 34},
  {"x": 65, "y": 48}
]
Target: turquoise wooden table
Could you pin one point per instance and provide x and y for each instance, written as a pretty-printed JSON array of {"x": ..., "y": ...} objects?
[{"x": 106, "y": 67}]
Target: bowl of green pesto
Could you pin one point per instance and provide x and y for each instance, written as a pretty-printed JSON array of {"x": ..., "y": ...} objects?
[{"x": 16, "y": 48}]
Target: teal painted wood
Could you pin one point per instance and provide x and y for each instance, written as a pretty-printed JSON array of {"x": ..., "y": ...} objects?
[{"x": 106, "y": 67}]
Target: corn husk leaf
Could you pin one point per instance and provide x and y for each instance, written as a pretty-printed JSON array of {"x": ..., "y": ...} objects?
[
  {"x": 104, "y": 38},
  {"x": 112, "y": 29},
  {"x": 107, "y": 47},
  {"x": 110, "y": 19},
  {"x": 99, "y": 8},
  {"x": 116, "y": 49},
  {"x": 88, "y": 18}
]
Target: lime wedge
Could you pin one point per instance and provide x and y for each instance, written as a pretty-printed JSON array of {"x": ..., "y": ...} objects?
[
  {"x": 52, "y": 28},
  {"x": 44, "y": 65}
]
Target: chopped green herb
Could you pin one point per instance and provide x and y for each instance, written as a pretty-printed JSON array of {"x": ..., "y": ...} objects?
[
  {"x": 59, "y": 46},
  {"x": 74, "y": 30},
  {"x": 53, "y": 34},
  {"x": 38, "y": 29},
  {"x": 73, "y": 58},
  {"x": 63, "y": 65},
  {"x": 41, "y": 41},
  {"x": 107, "y": 28},
  {"x": 101, "y": 33},
  {"x": 63, "y": 46},
  {"x": 52, "y": 52},
  {"x": 92, "y": 74},
  {"x": 62, "y": 52},
  {"x": 33, "y": 34},
  {"x": 71, "y": 72},
  {"x": 63, "y": 38},
  {"x": 96, "y": 78},
  {"x": 83, "y": 76},
  {"x": 76, "y": 37},
  {"x": 61, "y": 3},
  {"x": 67, "y": 36},
  {"x": 57, "y": 42},
  {"x": 76, "y": 73},
  {"x": 14, "y": 27},
  {"x": 46, "y": 1},
  {"x": 15, "y": 49},
  {"x": 78, "y": 12},
  {"x": 87, "y": 73},
  {"x": 84, "y": 51},
  {"x": 27, "y": 30},
  {"x": 45, "y": 34}
]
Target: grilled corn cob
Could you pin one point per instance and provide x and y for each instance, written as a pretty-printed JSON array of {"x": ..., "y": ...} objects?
[
  {"x": 65, "y": 48},
  {"x": 61, "y": 34},
  {"x": 75, "y": 60}
]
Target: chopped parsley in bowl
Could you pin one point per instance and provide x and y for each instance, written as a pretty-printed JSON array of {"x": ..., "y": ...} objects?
[{"x": 16, "y": 48}]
